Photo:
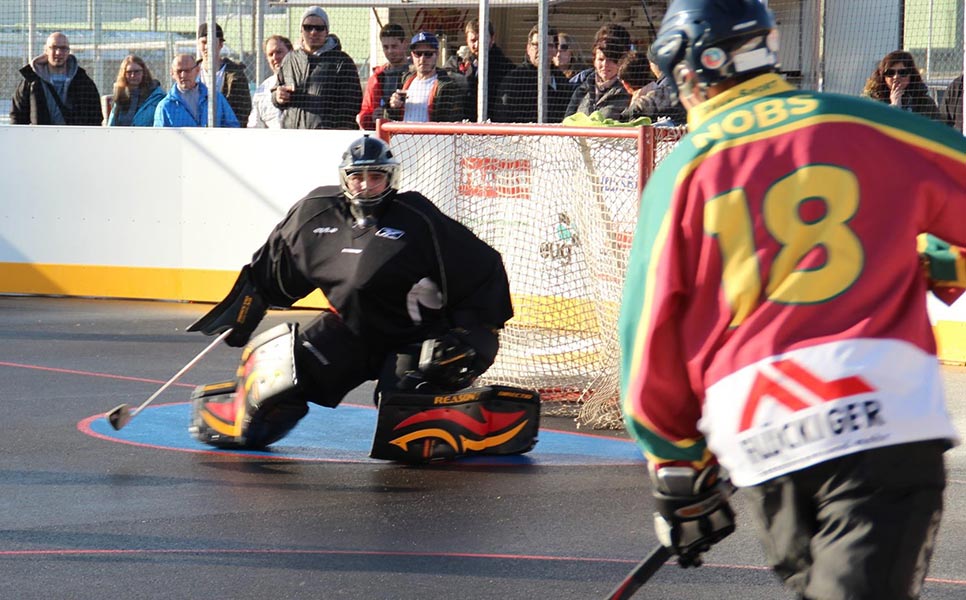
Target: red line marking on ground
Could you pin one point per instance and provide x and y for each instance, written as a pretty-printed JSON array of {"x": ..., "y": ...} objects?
[
  {"x": 285, "y": 551},
  {"x": 88, "y": 373}
]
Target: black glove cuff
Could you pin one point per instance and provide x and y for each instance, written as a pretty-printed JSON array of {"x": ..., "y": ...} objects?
[{"x": 241, "y": 311}]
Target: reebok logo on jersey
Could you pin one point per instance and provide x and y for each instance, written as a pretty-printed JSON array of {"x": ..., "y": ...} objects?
[
  {"x": 321, "y": 230},
  {"x": 390, "y": 233}
]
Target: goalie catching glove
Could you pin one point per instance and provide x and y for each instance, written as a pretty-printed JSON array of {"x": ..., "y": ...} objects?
[
  {"x": 241, "y": 311},
  {"x": 692, "y": 510},
  {"x": 453, "y": 361}
]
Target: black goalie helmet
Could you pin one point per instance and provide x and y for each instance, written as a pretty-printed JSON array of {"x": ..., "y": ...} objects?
[
  {"x": 368, "y": 154},
  {"x": 716, "y": 40}
]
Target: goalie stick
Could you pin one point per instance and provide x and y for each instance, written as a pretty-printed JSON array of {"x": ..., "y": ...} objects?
[
  {"x": 641, "y": 574},
  {"x": 119, "y": 416}
]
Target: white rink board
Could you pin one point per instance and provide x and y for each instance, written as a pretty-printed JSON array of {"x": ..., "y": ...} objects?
[
  {"x": 144, "y": 197},
  {"x": 166, "y": 198}
]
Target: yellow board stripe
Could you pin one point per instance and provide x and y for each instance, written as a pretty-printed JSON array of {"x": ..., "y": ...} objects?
[
  {"x": 139, "y": 283},
  {"x": 203, "y": 285}
]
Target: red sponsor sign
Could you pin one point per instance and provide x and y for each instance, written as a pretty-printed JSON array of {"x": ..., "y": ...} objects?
[{"x": 494, "y": 178}]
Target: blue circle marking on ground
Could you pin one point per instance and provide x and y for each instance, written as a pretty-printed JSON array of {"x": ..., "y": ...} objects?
[{"x": 345, "y": 435}]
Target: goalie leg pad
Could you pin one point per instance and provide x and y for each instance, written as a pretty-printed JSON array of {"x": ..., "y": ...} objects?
[
  {"x": 419, "y": 428},
  {"x": 262, "y": 405}
]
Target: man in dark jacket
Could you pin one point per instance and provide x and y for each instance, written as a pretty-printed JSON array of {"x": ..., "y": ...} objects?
[
  {"x": 55, "y": 90},
  {"x": 952, "y": 106},
  {"x": 498, "y": 65},
  {"x": 318, "y": 84},
  {"x": 659, "y": 102},
  {"x": 386, "y": 78},
  {"x": 232, "y": 80},
  {"x": 519, "y": 90}
]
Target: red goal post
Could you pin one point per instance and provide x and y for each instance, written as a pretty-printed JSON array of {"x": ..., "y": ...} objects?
[{"x": 560, "y": 204}]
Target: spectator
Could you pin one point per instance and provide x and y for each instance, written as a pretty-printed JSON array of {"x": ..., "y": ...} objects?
[
  {"x": 427, "y": 93},
  {"x": 657, "y": 101},
  {"x": 635, "y": 72},
  {"x": 136, "y": 94},
  {"x": 55, "y": 90},
  {"x": 232, "y": 80},
  {"x": 318, "y": 84},
  {"x": 265, "y": 115},
  {"x": 569, "y": 57},
  {"x": 466, "y": 63},
  {"x": 385, "y": 78},
  {"x": 186, "y": 104},
  {"x": 609, "y": 31},
  {"x": 897, "y": 81},
  {"x": 952, "y": 106},
  {"x": 519, "y": 90},
  {"x": 603, "y": 92}
]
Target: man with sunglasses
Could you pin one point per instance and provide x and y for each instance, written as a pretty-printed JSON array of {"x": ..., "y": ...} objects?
[
  {"x": 318, "y": 84},
  {"x": 427, "y": 93},
  {"x": 517, "y": 100},
  {"x": 55, "y": 90}
]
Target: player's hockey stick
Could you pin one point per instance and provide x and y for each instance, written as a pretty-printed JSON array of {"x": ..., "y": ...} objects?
[
  {"x": 121, "y": 415},
  {"x": 641, "y": 573}
]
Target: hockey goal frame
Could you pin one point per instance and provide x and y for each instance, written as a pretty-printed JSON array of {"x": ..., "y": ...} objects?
[{"x": 595, "y": 401}]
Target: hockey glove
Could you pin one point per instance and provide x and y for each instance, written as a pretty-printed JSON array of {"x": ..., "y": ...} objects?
[
  {"x": 447, "y": 362},
  {"x": 692, "y": 510},
  {"x": 241, "y": 311}
]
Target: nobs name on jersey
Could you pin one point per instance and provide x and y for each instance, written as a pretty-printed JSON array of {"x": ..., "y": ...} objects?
[
  {"x": 788, "y": 412},
  {"x": 762, "y": 114}
]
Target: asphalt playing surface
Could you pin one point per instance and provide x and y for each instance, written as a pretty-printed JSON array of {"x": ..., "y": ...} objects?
[{"x": 86, "y": 512}]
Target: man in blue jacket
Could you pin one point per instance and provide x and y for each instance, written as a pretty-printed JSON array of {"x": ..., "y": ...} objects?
[{"x": 186, "y": 104}]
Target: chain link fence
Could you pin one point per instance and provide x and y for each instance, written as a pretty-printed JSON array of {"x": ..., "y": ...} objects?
[{"x": 831, "y": 45}]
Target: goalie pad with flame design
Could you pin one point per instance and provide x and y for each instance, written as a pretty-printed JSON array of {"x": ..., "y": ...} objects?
[{"x": 418, "y": 428}]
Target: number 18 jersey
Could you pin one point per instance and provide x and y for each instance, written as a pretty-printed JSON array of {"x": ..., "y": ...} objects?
[{"x": 774, "y": 313}]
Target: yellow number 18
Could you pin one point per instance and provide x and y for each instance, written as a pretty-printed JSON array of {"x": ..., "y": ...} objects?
[{"x": 727, "y": 217}]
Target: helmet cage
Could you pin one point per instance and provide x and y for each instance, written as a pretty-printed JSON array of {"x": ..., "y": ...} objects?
[
  {"x": 368, "y": 154},
  {"x": 392, "y": 183}
]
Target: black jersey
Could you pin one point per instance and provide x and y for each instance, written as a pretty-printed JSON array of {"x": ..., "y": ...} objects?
[{"x": 412, "y": 275}]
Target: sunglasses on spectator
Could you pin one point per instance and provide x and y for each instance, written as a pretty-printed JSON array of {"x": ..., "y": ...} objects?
[
  {"x": 563, "y": 47},
  {"x": 900, "y": 72},
  {"x": 424, "y": 53},
  {"x": 317, "y": 28},
  {"x": 134, "y": 71}
]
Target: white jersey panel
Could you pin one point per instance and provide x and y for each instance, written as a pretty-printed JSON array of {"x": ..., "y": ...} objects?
[{"x": 809, "y": 405}]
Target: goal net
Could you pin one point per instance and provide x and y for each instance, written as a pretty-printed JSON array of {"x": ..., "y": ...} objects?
[{"x": 560, "y": 204}]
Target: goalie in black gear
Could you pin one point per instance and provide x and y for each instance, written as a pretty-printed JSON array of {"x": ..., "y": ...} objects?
[{"x": 399, "y": 275}]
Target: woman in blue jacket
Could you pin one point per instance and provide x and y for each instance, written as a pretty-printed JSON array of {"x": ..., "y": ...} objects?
[{"x": 136, "y": 95}]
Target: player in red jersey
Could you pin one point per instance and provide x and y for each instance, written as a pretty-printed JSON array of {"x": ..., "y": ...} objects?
[{"x": 774, "y": 316}]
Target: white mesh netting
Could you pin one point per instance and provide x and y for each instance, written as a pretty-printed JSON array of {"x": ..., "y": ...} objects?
[{"x": 561, "y": 211}]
